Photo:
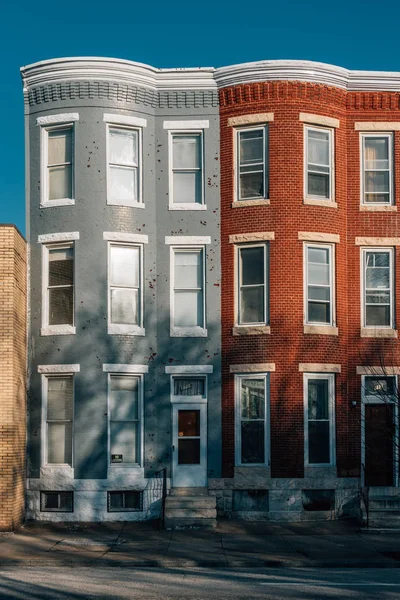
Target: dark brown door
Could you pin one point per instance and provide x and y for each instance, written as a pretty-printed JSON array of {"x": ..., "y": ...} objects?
[{"x": 379, "y": 431}]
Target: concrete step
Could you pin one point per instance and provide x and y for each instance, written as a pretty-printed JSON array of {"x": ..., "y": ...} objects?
[
  {"x": 187, "y": 513},
  {"x": 384, "y": 503},
  {"x": 190, "y": 501},
  {"x": 189, "y": 491},
  {"x": 189, "y": 523},
  {"x": 384, "y": 518},
  {"x": 383, "y": 490}
]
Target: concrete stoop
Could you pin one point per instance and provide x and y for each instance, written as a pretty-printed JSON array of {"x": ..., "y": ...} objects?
[
  {"x": 190, "y": 508},
  {"x": 384, "y": 508}
]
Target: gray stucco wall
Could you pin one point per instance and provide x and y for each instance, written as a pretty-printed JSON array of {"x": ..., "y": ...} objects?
[{"x": 91, "y": 346}]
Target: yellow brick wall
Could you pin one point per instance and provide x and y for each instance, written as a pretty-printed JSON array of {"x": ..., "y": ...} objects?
[{"x": 12, "y": 376}]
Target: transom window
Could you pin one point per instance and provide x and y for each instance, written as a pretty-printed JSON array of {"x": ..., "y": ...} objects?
[
  {"x": 187, "y": 168},
  {"x": 189, "y": 386},
  {"x": 252, "y": 168},
  {"x": 319, "y": 286},
  {"x": 59, "y": 163},
  {"x": 377, "y": 168},
  {"x": 319, "y": 161},
  {"x": 380, "y": 389},
  {"x": 319, "y": 419},
  {"x": 378, "y": 288},
  {"x": 253, "y": 284},
  {"x": 123, "y": 165},
  {"x": 251, "y": 419}
]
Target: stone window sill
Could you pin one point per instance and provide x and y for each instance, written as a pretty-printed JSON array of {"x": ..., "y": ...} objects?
[
  {"x": 376, "y": 208},
  {"x": 187, "y": 206},
  {"x": 320, "y": 202},
  {"x": 251, "y": 330},
  {"x": 321, "y": 330},
  {"x": 244, "y": 203},
  {"x": 116, "y": 329},
  {"x": 54, "y": 203},
  {"x": 58, "y": 330},
  {"x": 371, "y": 332},
  {"x": 188, "y": 332}
]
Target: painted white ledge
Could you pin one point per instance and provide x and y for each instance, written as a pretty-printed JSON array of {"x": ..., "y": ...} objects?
[
  {"x": 55, "y": 203},
  {"x": 180, "y": 240},
  {"x": 121, "y": 119},
  {"x": 60, "y": 118},
  {"x": 122, "y": 329},
  {"x": 63, "y": 236},
  {"x": 195, "y": 369},
  {"x": 187, "y": 206},
  {"x": 58, "y": 369},
  {"x": 186, "y": 124},
  {"x": 125, "y": 368},
  {"x": 58, "y": 330},
  {"x": 119, "y": 236},
  {"x": 181, "y": 332}
]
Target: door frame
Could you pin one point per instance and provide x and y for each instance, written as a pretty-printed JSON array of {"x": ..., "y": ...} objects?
[
  {"x": 371, "y": 400},
  {"x": 202, "y": 407}
]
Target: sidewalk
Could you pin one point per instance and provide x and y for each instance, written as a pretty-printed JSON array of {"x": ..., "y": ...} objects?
[{"x": 233, "y": 544}]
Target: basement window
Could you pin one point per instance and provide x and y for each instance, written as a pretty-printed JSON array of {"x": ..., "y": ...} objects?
[
  {"x": 315, "y": 500},
  {"x": 57, "y": 501},
  {"x": 251, "y": 500},
  {"x": 125, "y": 501}
]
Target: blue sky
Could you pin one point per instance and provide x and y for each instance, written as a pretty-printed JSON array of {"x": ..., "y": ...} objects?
[{"x": 358, "y": 35}]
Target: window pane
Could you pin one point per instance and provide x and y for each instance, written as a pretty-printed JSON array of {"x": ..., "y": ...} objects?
[
  {"x": 188, "y": 270},
  {"x": 61, "y": 301},
  {"x": 59, "y": 443},
  {"x": 318, "y": 185},
  {"x": 318, "y": 293},
  {"x": 377, "y": 315},
  {"x": 188, "y": 423},
  {"x": 60, "y": 182},
  {"x": 252, "y": 185},
  {"x": 377, "y": 277},
  {"x": 252, "y": 305},
  {"x": 124, "y": 266},
  {"x": 377, "y": 182},
  {"x": 188, "y": 452},
  {"x": 251, "y": 146},
  {"x": 253, "y": 442},
  {"x": 123, "y": 147},
  {"x": 318, "y": 147},
  {"x": 188, "y": 386},
  {"x": 252, "y": 265},
  {"x": 253, "y": 398},
  {"x": 59, "y": 398},
  {"x": 318, "y": 274},
  {"x": 116, "y": 500},
  {"x": 124, "y": 306},
  {"x": 124, "y": 440},
  {"x": 124, "y": 398},
  {"x": 377, "y": 259},
  {"x": 189, "y": 309},
  {"x": 376, "y": 149},
  {"x": 186, "y": 151},
  {"x": 318, "y": 442},
  {"x": 380, "y": 387},
  {"x": 319, "y": 312},
  {"x": 60, "y": 147},
  {"x": 187, "y": 187},
  {"x": 123, "y": 184},
  {"x": 318, "y": 399},
  {"x": 61, "y": 266}
]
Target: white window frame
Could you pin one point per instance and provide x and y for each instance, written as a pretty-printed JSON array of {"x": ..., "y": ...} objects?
[
  {"x": 331, "y": 249},
  {"x": 373, "y": 134},
  {"x": 196, "y": 331},
  {"x": 237, "y": 131},
  {"x": 331, "y": 133},
  {"x": 364, "y": 251},
  {"x": 62, "y": 329},
  {"x": 187, "y": 205},
  {"x": 331, "y": 411},
  {"x": 124, "y": 328},
  {"x": 44, "y": 381},
  {"x": 140, "y": 377},
  {"x": 45, "y": 202},
  {"x": 177, "y": 399},
  {"x": 120, "y": 125},
  {"x": 238, "y": 419},
  {"x": 238, "y": 277}
]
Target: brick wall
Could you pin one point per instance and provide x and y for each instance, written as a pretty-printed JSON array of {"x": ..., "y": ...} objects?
[
  {"x": 287, "y": 345},
  {"x": 12, "y": 376}
]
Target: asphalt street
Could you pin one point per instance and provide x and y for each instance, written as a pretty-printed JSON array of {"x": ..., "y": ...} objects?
[{"x": 61, "y": 583}]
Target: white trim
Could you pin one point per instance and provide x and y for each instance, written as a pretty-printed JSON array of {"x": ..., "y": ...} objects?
[
  {"x": 190, "y": 369},
  {"x": 187, "y": 239},
  {"x": 125, "y": 368},
  {"x": 377, "y": 126},
  {"x": 186, "y": 124},
  {"x": 391, "y": 198},
  {"x": 189, "y": 205},
  {"x": 65, "y": 369},
  {"x": 197, "y": 331},
  {"x": 126, "y": 328},
  {"x": 56, "y": 119},
  {"x": 237, "y": 283},
  {"x": 331, "y": 412},
  {"x": 190, "y": 475},
  {"x": 44, "y": 437},
  {"x": 49, "y": 238},
  {"x": 139, "y": 420},
  {"x": 253, "y": 368},
  {"x": 119, "y": 236},
  {"x": 240, "y": 238},
  {"x": 252, "y": 119},
  {"x": 331, "y": 150},
  {"x": 319, "y": 120},
  {"x": 139, "y": 203},
  {"x": 375, "y": 328},
  {"x": 121, "y": 119},
  {"x": 332, "y": 284},
  {"x": 238, "y": 420},
  {"x": 236, "y": 167},
  {"x": 57, "y": 329}
]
